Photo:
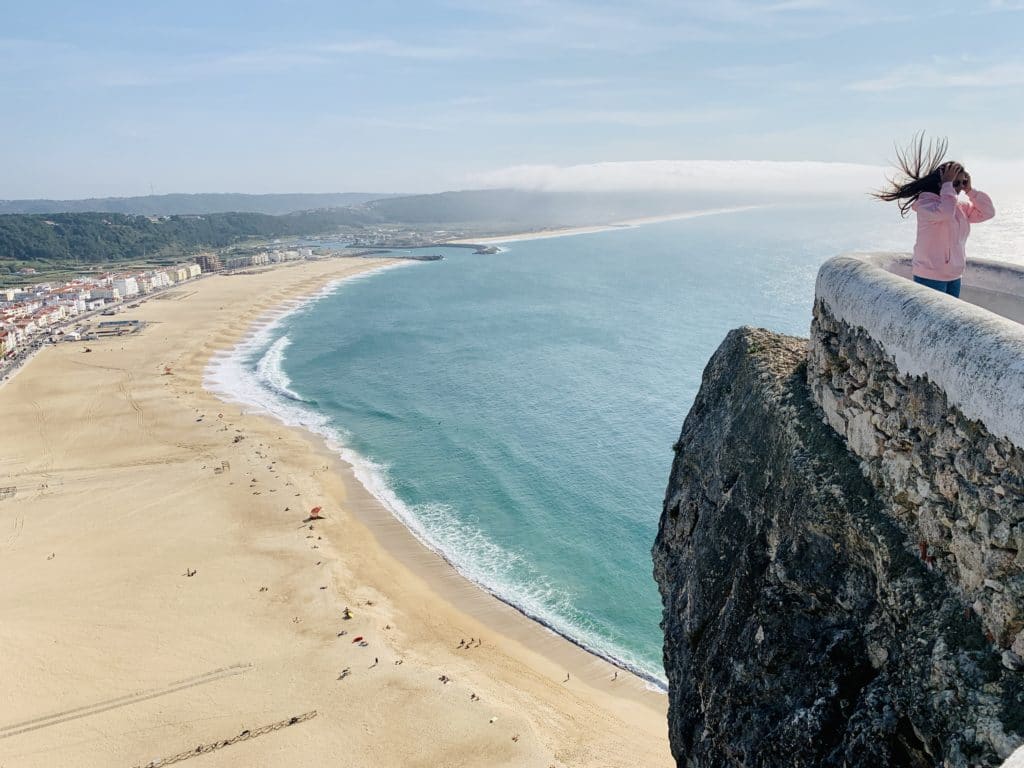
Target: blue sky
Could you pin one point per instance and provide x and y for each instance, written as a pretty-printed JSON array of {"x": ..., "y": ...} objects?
[{"x": 116, "y": 98}]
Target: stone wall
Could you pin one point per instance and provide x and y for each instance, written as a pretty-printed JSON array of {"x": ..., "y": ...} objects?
[
  {"x": 802, "y": 627},
  {"x": 928, "y": 392}
]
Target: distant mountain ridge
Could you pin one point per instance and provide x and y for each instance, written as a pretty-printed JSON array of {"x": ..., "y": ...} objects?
[{"x": 196, "y": 204}]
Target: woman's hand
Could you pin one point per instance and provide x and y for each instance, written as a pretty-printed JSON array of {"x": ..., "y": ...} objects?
[
  {"x": 949, "y": 171},
  {"x": 966, "y": 179}
]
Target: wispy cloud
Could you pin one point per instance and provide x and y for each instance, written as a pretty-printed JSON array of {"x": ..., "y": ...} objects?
[
  {"x": 962, "y": 74},
  {"x": 122, "y": 73},
  {"x": 573, "y": 26},
  {"x": 399, "y": 50},
  {"x": 259, "y": 61},
  {"x": 625, "y": 117},
  {"x": 746, "y": 12},
  {"x": 778, "y": 73},
  {"x": 17, "y": 45},
  {"x": 1006, "y": 5},
  {"x": 639, "y": 119},
  {"x": 17, "y": 54},
  {"x": 645, "y": 26},
  {"x": 795, "y": 19},
  {"x": 132, "y": 71},
  {"x": 798, "y": 6},
  {"x": 570, "y": 82}
]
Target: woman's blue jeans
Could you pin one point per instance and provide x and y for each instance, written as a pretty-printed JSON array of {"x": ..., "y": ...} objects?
[{"x": 952, "y": 287}]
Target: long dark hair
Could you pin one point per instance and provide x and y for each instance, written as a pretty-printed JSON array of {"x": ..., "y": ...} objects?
[{"x": 917, "y": 171}]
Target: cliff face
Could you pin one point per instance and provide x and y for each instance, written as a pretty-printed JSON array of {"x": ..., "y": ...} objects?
[{"x": 802, "y": 625}]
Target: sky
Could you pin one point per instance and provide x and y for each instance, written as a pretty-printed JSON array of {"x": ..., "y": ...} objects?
[{"x": 119, "y": 98}]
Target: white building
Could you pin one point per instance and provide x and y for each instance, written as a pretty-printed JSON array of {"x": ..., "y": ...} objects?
[
  {"x": 21, "y": 308},
  {"x": 15, "y": 295},
  {"x": 107, "y": 294},
  {"x": 23, "y": 330},
  {"x": 126, "y": 286},
  {"x": 48, "y": 316}
]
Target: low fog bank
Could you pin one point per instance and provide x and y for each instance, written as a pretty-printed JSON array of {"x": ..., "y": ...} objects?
[
  {"x": 754, "y": 179},
  {"x": 513, "y": 210},
  {"x": 611, "y": 191},
  {"x": 761, "y": 179}
]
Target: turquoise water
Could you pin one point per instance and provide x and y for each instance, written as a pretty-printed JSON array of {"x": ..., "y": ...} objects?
[{"x": 517, "y": 411}]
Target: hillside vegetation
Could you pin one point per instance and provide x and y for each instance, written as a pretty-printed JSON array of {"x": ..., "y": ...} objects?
[{"x": 101, "y": 237}]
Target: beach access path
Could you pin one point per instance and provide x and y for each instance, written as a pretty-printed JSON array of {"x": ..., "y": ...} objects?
[{"x": 162, "y": 592}]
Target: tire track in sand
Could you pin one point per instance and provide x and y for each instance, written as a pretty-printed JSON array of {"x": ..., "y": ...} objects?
[{"x": 47, "y": 721}]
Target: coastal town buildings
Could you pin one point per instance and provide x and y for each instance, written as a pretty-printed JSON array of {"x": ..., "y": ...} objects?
[
  {"x": 126, "y": 285},
  {"x": 209, "y": 262},
  {"x": 31, "y": 315},
  {"x": 108, "y": 293},
  {"x": 263, "y": 258}
]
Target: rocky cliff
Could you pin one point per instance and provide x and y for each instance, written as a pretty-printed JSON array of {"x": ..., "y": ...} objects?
[{"x": 804, "y": 624}]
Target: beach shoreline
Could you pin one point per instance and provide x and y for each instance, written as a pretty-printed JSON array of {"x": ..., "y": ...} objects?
[
  {"x": 228, "y": 377},
  {"x": 414, "y": 593}
]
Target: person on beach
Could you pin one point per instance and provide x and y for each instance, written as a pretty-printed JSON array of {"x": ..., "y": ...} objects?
[{"x": 931, "y": 187}]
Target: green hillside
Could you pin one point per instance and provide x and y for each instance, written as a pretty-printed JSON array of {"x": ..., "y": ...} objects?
[{"x": 101, "y": 237}]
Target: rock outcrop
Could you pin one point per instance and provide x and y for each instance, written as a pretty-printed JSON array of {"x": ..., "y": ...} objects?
[{"x": 804, "y": 624}]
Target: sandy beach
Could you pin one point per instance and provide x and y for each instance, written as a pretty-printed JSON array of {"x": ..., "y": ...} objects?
[
  {"x": 545, "y": 234},
  {"x": 164, "y": 589}
]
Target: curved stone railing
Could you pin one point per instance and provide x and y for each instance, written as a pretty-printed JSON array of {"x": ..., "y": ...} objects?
[
  {"x": 928, "y": 392},
  {"x": 995, "y": 285}
]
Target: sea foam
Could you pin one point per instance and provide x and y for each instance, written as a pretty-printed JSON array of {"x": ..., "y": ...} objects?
[{"x": 252, "y": 374}]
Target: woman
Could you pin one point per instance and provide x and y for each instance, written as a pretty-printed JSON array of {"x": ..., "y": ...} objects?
[{"x": 931, "y": 189}]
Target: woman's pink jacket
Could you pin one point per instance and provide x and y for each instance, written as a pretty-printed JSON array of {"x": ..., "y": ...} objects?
[{"x": 943, "y": 224}]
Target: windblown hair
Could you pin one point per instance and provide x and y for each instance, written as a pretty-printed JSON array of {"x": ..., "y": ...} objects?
[{"x": 918, "y": 167}]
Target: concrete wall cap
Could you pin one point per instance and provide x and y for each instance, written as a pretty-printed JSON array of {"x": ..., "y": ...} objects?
[{"x": 973, "y": 355}]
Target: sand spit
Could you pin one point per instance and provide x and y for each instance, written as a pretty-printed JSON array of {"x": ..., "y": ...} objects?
[{"x": 545, "y": 234}]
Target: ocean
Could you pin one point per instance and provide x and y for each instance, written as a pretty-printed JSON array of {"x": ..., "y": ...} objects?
[{"x": 516, "y": 411}]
